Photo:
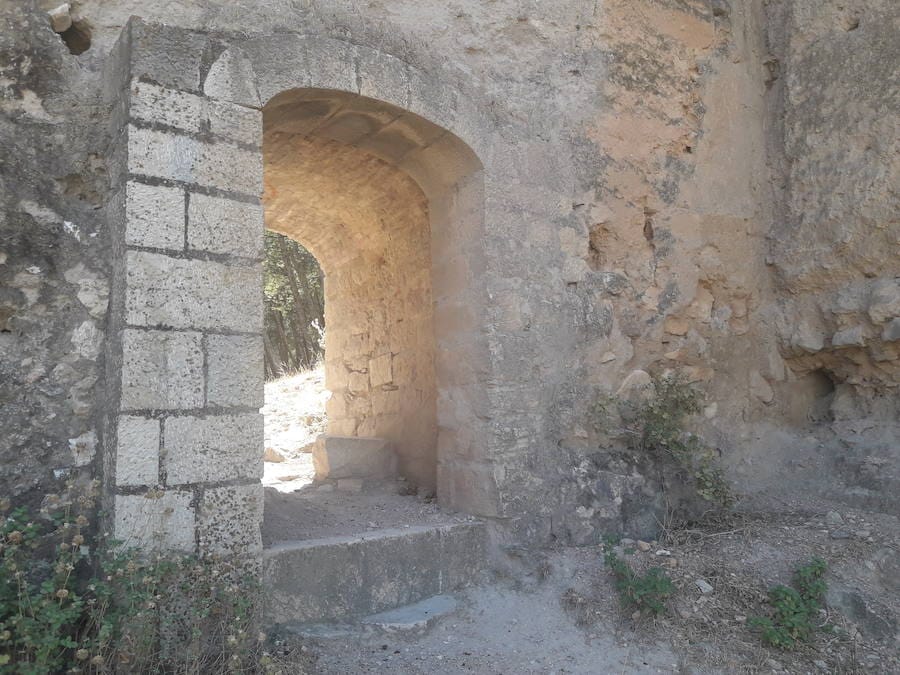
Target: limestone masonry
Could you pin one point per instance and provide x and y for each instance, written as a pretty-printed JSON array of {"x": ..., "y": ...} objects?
[{"x": 519, "y": 207}]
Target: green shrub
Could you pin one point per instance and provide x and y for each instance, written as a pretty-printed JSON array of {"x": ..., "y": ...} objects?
[
  {"x": 644, "y": 592},
  {"x": 71, "y": 602},
  {"x": 654, "y": 426},
  {"x": 794, "y": 609}
]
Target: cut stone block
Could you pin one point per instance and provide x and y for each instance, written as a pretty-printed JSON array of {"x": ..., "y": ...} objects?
[
  {"x": 156, "y": 521},
  {"x": 177, "y": 293},
  {"x": 235, "y": 370},
  {"x": 225, "y": 226},
  {"x": 137, "y": 451},
  {"x": 192, "y": 113},
  {"x": 338, "y": 457},
  {"x": 161, "y": 370},
  {"x": 230, "y": 518},
  {"x": 154, "y": 216},
  {"x": 343, "y": 577},
  {"x": 171, "y": 107},
  {"x": 161, "y": 154},
  {"x": 214, "y": 448}
]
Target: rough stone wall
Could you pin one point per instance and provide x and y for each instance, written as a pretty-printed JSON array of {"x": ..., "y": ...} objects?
[
  {"x": 666, "y": 188},
  {"x": 667, "y": 255},
  {"x": 367, "y": 224},
  {"x": 834, "y": 245},
  {"x": 54, "y": 256}
]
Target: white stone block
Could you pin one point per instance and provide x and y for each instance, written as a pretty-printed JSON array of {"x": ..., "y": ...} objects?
[
  {"x": 137, "y": 451},
  {"x": 337, "y": 457},
  {"x": 161, "y": 370},
  {"x": 214, "y": 448},
  {"x": 182, "y": 158},
  {"x": 159, "y": 105},
  {"x": 235, "y": 122},
  {"x": 223, "y": 225},
  {"x": 195, "y": 114},
  {"x": 178, "y": 293},
  {"x": 156, "y": 521},
  {"x": 154, "y": 216},
  {"x": 235, "y": 370}
]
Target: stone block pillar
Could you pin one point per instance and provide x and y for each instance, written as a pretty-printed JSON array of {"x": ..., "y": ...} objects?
[{"x": 184, "y": 439}]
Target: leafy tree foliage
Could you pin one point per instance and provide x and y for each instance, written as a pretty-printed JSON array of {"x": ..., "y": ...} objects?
[{"x": 294, "y": 306}]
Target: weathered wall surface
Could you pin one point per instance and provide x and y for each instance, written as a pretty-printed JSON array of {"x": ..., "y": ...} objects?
[
  {"x": 54, "y": 255},
  {"x": 834, "y": 244},
  {"x": 688, "y": 185},
  {"x": 667, "y": 253}
]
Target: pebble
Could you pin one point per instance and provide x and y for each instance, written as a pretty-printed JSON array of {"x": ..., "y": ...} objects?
[
  {"x": 821, "y": 665},
  {"x": 840, "y": 534},
  {"x": 834, "y": 518},
  {"x": 704, "y": 586},
  {"x": 664, "y": 552},
  {"x": 625, "y": 541},
  {"x": 60, "y": 18},
  {"x": 643, "y": 546}
]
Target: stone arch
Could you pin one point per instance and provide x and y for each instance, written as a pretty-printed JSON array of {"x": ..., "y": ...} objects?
[
  {"x": 347, "y": 176},
  {"x": 428, "y": 129},
  {"x": 185, "y": 443}
]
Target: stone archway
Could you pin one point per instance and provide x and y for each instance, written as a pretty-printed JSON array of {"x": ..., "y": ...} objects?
[
  {"x": 336, "y": 181},
  {"x": 184, "y": 439}
]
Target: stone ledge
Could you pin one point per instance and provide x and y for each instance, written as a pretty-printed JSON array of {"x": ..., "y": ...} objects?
[{"x": 337, "y": 457}]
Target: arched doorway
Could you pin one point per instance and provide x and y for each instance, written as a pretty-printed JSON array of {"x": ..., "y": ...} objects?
[
  {"x": 337, "y": 181},
  {"x": 184, "y": 439}
]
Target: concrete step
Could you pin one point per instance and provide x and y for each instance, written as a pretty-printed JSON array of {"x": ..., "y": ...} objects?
[{"x": 347, "y": 577}]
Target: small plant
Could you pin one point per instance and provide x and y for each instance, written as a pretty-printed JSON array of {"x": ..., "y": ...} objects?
[
  {"x": 655, "y": 429},
  {"x": 644, "y": 592},
  {"x": 72, "y": 602},
  {"x": 794, "y": 608}
]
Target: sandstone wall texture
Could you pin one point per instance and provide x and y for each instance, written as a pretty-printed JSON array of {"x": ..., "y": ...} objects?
[{"x": 657, "y": 184}]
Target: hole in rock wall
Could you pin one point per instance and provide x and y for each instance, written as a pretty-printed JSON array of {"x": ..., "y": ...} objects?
[
  {"x": 335, "y": 189},
  {"x": 77, "y": 37},
  {"x": 809, "y": 398}
]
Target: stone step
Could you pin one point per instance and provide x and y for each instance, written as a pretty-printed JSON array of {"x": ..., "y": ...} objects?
[
  {"x": 346, "y": 577},
  {"x": 415, "y": 618}
]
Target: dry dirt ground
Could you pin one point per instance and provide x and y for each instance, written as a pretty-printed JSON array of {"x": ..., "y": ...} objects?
[
  {"x": 557, "y": 611},
  {"x": 294, "y": 416}
]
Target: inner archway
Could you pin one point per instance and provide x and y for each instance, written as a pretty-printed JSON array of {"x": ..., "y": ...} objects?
[{"x": 382, "y": 199}]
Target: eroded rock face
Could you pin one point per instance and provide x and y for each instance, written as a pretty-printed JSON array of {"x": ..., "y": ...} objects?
[
  {"x": 54, "y": 258},
  {"x": 672, "y": 186},
  {"x": 835, "y": 241}
]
